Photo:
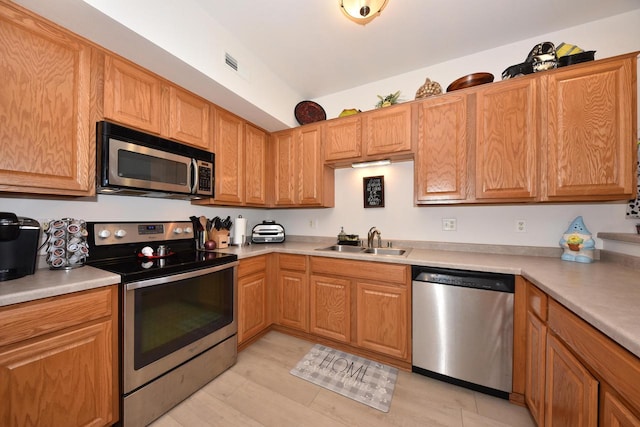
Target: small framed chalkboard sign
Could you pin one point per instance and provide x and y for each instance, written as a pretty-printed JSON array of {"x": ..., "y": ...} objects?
[{"x": 373, "y": 190}]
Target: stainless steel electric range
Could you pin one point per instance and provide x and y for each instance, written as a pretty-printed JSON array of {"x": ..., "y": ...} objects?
[{"x": 177, "y": 308}]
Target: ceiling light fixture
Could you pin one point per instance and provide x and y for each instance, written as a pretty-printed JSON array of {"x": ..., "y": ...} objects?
[
  {"x": 362, "y": 11},
  {"x": 384, "y": 162}
]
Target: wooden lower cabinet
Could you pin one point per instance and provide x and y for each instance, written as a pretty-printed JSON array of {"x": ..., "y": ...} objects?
[
  {"x": 58, "y": 361},
  {"x": 293, "y": 292},
  {"x": 330, "y": 307},
  {"x": 363, "y": 304},
  {"x": 381, "y": 318},
  {"x": 614, "y": 412},
  {"x": 535, "y": 366},
  {"x": 253, "y": 298},
  {"x": 575, "y": 375},
  {"x": 571, "y": 391}
]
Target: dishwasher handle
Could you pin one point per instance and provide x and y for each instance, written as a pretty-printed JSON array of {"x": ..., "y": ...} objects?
[{"x": 468, "y": 279}]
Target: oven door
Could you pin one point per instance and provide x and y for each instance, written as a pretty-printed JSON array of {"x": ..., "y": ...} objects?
[{"x": 171, "y": 319}]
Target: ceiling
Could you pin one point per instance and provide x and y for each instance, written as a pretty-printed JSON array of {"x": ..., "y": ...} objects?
[{"x": 313, "y": 47}]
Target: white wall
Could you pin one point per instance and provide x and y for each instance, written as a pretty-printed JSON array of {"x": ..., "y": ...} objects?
[
  {"x": 399, "y": 219},
  {"x": 608, "y": 37}
]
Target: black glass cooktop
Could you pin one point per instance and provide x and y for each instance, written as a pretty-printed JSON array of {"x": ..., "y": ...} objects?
[
  {"x": 139, "y": 268},
  {"x": 134, "y": 267}
]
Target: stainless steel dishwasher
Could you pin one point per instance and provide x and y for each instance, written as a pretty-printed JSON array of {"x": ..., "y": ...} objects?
[{"x": 463, "y": 328}]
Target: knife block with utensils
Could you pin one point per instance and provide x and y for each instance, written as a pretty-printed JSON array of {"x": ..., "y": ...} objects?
[{"x": 221, "y": 237}]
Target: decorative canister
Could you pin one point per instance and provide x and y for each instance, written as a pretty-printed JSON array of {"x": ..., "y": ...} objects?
[{"x": 67, "y": 246}]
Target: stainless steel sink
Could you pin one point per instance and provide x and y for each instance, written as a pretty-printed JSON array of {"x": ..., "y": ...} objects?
[
  {"x": 385, "y": 251},
  {"x": 342, "y": 248},
  {"x": 367, "y": 251}
]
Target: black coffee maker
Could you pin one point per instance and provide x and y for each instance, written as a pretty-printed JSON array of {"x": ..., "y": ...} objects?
[{"x": 19, "y": 239}]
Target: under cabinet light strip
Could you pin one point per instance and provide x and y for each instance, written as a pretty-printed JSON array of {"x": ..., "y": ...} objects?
[{"x": 384, "y": 162}]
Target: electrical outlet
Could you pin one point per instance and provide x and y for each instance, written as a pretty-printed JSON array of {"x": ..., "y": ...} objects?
[
  {"x": 449, "y": 224},
  {"x": 310, "y": 223},
  {"x": 521, "y": 226},
  {"x": 313, "y": 223}
]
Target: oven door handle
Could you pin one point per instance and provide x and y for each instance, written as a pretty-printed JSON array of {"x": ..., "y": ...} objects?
[{"x": 181, "y": 276}]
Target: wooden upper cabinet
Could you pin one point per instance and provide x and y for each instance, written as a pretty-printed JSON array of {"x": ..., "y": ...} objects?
[
  {"x": 343, "y": 139},
  {"x": 301, "y": 178},
  {"x": 440, "y": 168},
  {"x": 255, "y": 166},
  {"x": 591, "y": 131},
  {"x": 46, "y": 134},
  {"x": 285, "y": 169},
  {"x": 387, "y": 131},
  {"x": 507, "y": 121},
  {"x": 229, "y": 150},
  {"x": 189, "y": 118},
  {"x": 311, "y": 164},
  {"x": 132, "y": 95}
]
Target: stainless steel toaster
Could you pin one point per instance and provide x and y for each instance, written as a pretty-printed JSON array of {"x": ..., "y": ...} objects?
[{"x": 267, "y": 232}]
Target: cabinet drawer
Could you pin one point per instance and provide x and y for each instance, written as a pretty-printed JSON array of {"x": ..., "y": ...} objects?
[
  {"x": 388, "y": 273},
  {"x": 32, "y": 319},
  {"x": 292, "y": 262},
  {"x": 537, "y": 302},
  {"x": 252, "y": 265}
]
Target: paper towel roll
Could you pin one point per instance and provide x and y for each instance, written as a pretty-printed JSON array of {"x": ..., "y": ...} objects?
[{"x": 239, "y": 231}]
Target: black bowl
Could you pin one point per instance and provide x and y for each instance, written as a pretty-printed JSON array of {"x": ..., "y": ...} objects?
[{"x": 577, "y": 58}]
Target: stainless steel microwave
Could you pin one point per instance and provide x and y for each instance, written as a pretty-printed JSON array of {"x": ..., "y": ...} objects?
[{"x": 133, "y": 163}]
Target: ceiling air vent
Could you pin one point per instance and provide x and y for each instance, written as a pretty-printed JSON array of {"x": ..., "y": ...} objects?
[{"x": 231, "y": 61}]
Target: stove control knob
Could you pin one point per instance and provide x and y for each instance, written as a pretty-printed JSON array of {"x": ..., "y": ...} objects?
[
  {"x": 188, "y": 230},
  {"x": 120, "y": 233},
  {"x": 104, "y": 234},
  {"x": 177, "y": 230}
]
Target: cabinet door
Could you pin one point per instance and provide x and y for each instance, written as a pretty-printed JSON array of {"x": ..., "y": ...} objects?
[
  {"x": 440, "y": 168},
  {"x": 330, "y": 312},
  {"x": 387, "y": 130},
  {"x": 132, "y": 96},
  {"x": 535, "y": 367},
  {"x": 591, "y": 133},
  {"x": 189, "y": 118},
  {"x": 311, "y": 184},
  {"x": 507, "y": 140},
  {"x": 48, "y": 141},
  {"x": 252, "y": 305},
  {"x": 571, "y": 391},
  {"x": 293, "y": 300},
  {"x": 64, "y": 379},
  {"x": 286, "y": 169},
  {"x": 255, "y": 176},
  {"x": 228, "y": 148},
  {"x": 383, "y": 318},
  {"x": 343, "y": 139},
  {"x": 615, "y": 413}
]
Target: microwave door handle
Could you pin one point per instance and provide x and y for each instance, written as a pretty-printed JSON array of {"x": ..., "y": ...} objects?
[{"x": 194, "y": 176}]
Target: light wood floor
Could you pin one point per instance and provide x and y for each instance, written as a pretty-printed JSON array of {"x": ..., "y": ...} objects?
[{"x": 260, "y": 391}]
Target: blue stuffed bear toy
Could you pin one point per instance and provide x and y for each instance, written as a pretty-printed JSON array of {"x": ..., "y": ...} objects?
[{"x": 577, "y": 242}]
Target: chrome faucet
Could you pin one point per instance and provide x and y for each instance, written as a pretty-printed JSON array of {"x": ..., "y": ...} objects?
[{"x": 372, "y": 232}]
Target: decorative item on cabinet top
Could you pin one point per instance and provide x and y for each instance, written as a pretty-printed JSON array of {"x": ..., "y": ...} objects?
[
  {"x": 308, "y": 112},
  {"x": 470, "y": 80},
  {"x": 388, "y": 100},
  {"x": 429, "y": 88}
]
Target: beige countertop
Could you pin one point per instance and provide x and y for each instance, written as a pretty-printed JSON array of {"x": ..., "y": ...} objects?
[
  {"x": 49, "y": 283},
  {"x": 604, "y": 293}
]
